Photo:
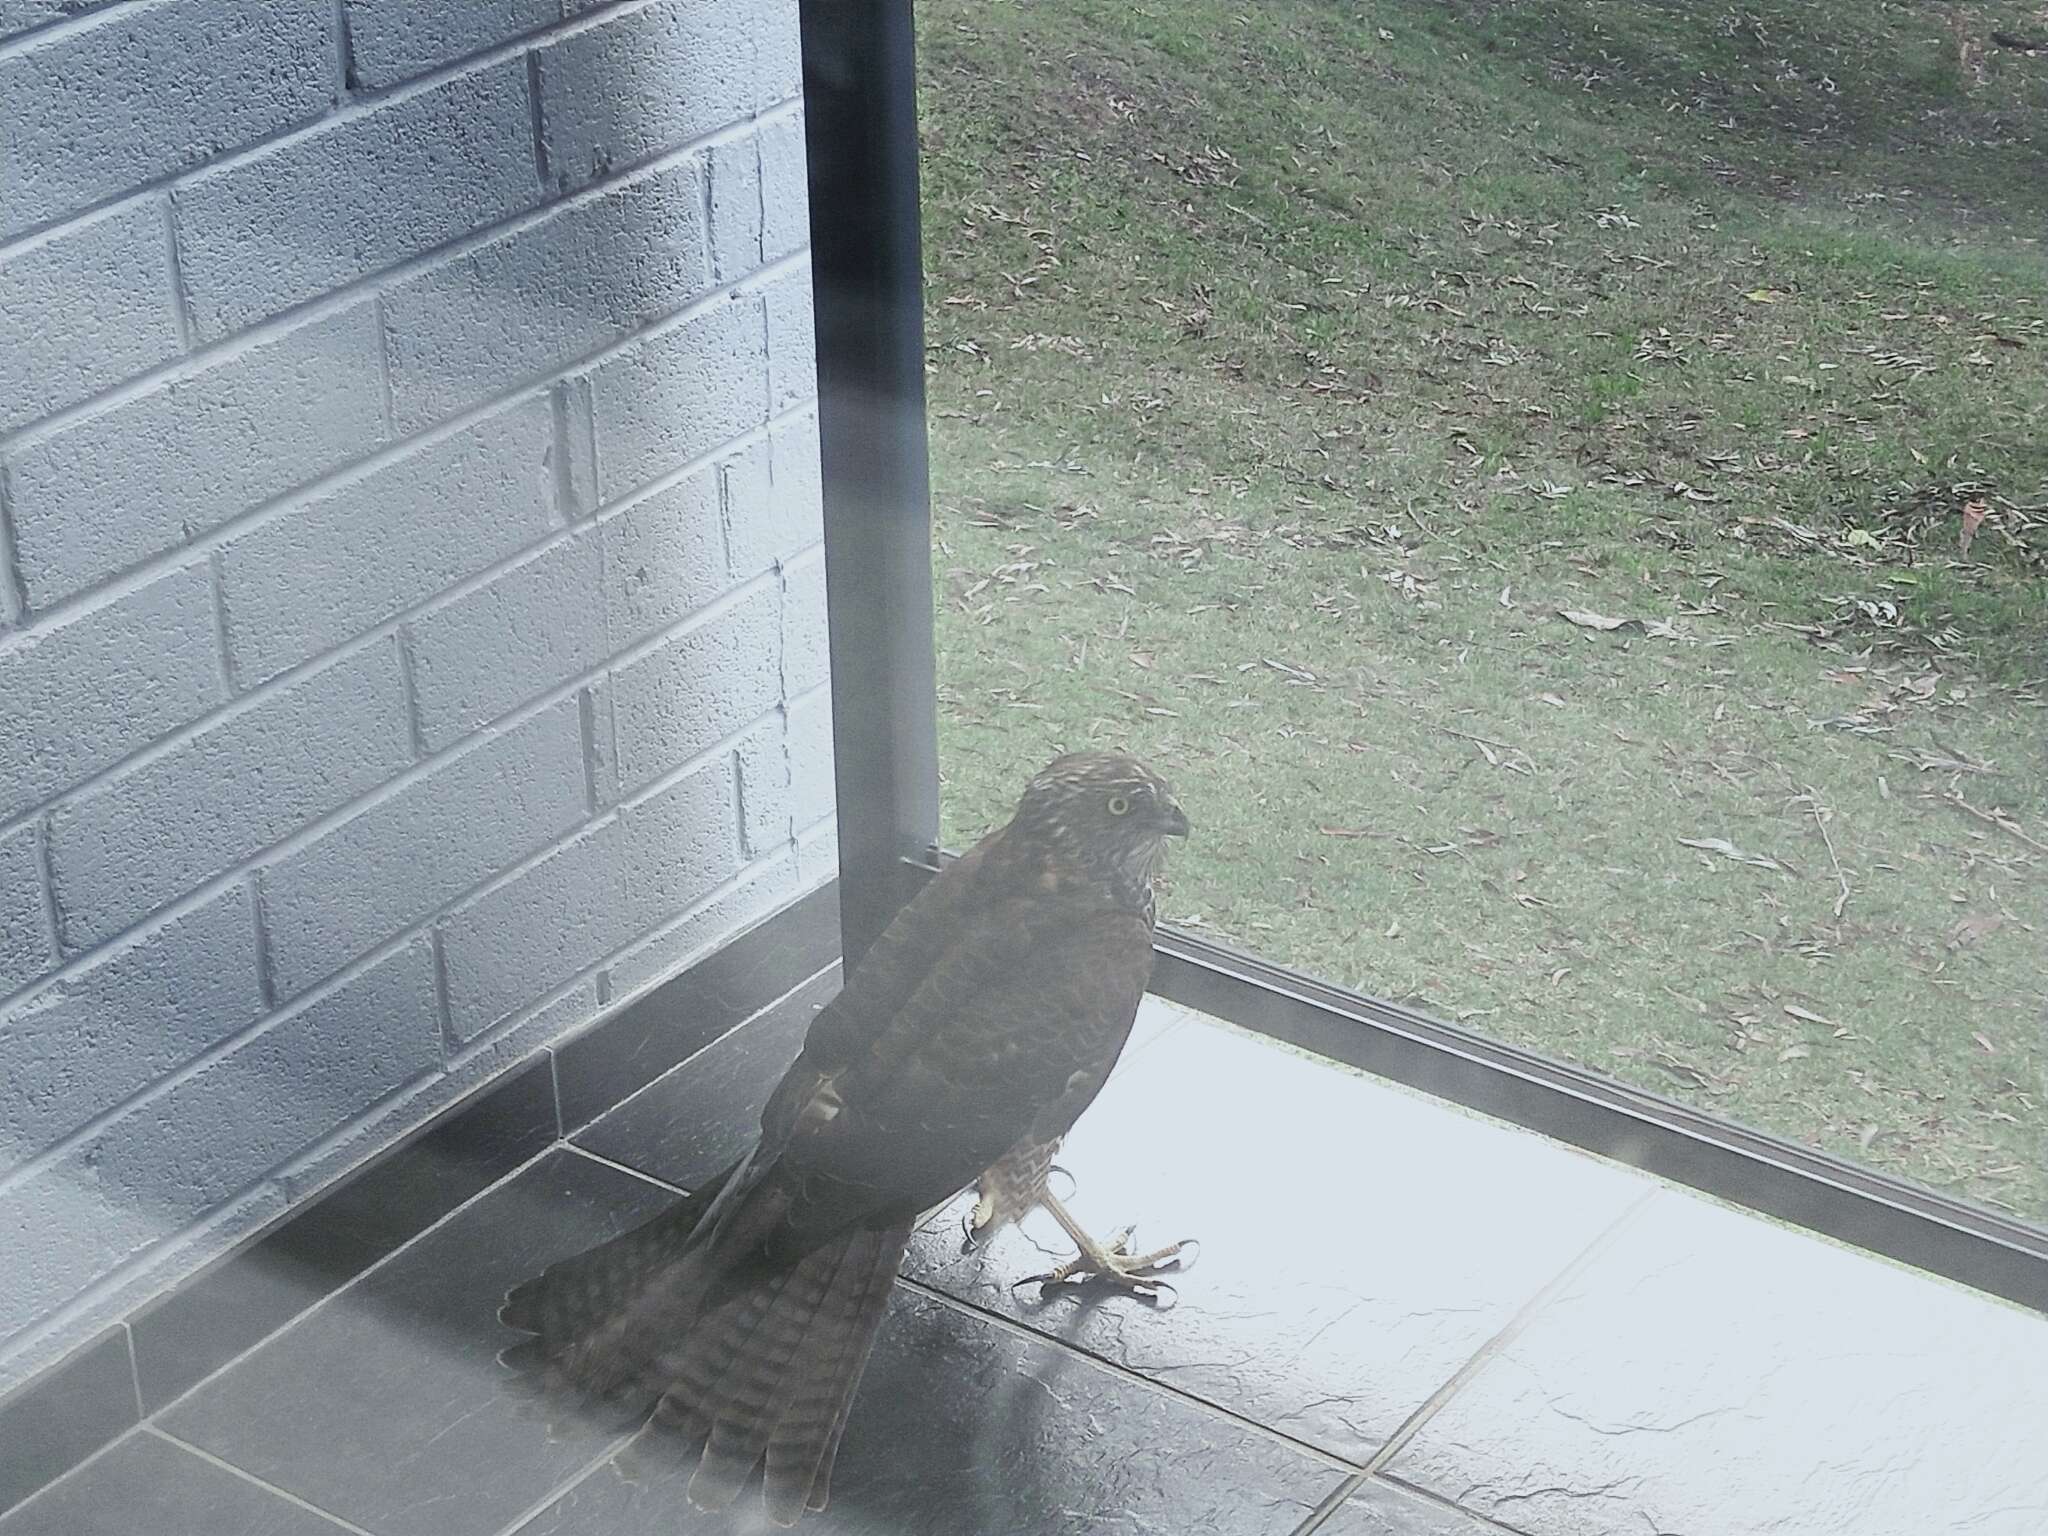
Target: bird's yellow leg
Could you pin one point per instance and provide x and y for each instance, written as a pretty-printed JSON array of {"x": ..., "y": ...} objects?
[{"x": 1112, "y": 1264}]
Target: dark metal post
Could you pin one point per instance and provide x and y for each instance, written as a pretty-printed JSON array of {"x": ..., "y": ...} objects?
[{"x": 860, "y": 92}]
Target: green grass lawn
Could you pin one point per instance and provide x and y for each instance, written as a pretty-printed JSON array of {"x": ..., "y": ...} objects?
[{"x": 1296, "y": 367}]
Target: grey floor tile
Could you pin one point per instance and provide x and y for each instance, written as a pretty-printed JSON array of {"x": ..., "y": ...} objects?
[
  {"x": 645, "y": 1038},
  {"x": 1384, "y": 1509},
  {"x": 962, "y": 1428},
  {"x": 387, "y": 1405},
  {"x": 1358, "y": 1242},
  {"x": 148, "y": 1484},
  {"x": 1717, "y": 1375},
  {"x": 63, "y": 1416},
  {"x": 687, "y": 1125},
  {"x": 218, "y": 1314}
]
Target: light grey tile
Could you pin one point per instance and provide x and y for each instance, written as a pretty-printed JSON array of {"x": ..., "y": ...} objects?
[
  {"x": 1713, "y": 1372},
  {"x": 1358, "y": 1242}
]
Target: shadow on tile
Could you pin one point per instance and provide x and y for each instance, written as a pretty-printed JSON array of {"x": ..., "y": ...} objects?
[
  {"x": 224, "y": 1310},
  {"x": 693, "y": 1121},
  {"x": 65, "y": 1415},
  {"x": 651, "y": 1034},
  {"x": 387, "y": 1405},
  {"x": 148, "y": 1484},
  {"x": 1714, "y": 1372},
  {"x": 962, "y": 1428},
  {"x": 1358, "y": 1243}
]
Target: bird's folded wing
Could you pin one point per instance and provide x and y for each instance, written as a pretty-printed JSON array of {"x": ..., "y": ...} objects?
[
  {"x": 895, "y": 964},
  {"x": 1029, "y": 998}
]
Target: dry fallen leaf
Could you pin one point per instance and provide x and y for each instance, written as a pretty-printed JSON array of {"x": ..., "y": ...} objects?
[
  {"x": 1973, "y": 514},
  {"x": 1656, "y": 629},
  {"x": 1971, "y": 929},
  {"x": 1810, "y": 1017},
  {"x": 1795, "y": 1053},
  {"x": 1728, "y": 850},
  {"x": 1589, "y": 620}
]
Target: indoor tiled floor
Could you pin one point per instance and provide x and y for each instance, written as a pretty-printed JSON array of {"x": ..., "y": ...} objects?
[{"x": 1505, "y": 1335}]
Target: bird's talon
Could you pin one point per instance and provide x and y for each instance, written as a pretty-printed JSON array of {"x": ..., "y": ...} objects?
[
  {"x": 1116, "y": 1266},
  {"x": 1159, "y": 1295}
]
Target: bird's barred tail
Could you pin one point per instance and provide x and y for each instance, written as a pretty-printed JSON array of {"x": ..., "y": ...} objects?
[
  {"x": 588, "y": 1314},
  {"x": 765, "y": 1369},
  {"x": 771, "y": 1373}
]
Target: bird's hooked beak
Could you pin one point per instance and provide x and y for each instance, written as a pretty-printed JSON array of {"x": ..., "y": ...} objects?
[{"x": 1173, "y": 821}]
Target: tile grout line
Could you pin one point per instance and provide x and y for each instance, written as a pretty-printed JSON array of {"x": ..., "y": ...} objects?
[
  {"x": 570, "y": 1484},
  {"x": 250, "y": 1477},
  {"x": 555, "y": 1088},
  {"x": 492, "y": 1037},
  {"x": 626, "y": 1168},
  {"x": 98, "y": 1454},
  {"x": 1480, "y": 1358},
  {"x": 146, "y": 1418},
  {"x": 1447, "y": 1504},
  {"x": 620, "y": 1004},
  {"x": 361, "y": 965},
  {"x": 347, "y": 1285},
  {"x": 1000, "y": 1324},
  {"x": 1487, "y": 1351},
  {"x": 1015, "y": 1329},
  {"x": 134, "y": 1370},
  {"x": 1328, "y": 1459},
  {"x": 559, "y": 1142}
]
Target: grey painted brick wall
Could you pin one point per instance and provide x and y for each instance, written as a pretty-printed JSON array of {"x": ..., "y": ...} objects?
[{"x": 411, "y": 603}]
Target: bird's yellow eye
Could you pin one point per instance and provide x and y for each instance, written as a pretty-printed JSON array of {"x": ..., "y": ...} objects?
[{"x": 1119, "y": 805}]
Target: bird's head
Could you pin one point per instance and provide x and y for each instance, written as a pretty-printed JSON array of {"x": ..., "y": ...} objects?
[{"x": 1103, "y": 812}]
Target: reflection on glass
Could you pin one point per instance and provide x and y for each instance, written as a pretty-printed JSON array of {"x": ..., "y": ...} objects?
[{"x": 1562, "y": 488}]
